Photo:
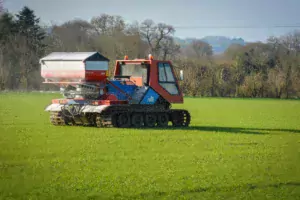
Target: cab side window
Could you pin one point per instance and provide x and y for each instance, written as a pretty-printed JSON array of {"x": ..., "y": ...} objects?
[{"x": 166, "y": 78}]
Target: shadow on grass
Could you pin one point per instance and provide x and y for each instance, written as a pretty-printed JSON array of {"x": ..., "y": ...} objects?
[
  {"x": 195, "y": 191},
  {"x": 228, "y": 129},
  {"x": 222, "y": 129},
  {"x": 246, "y": 187}
]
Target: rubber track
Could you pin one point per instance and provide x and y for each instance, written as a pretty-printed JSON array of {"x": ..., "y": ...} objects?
[
  {"x": 103, "y": 121},
  {"x": 57, "y": 119},
  {"x": 178, "y": 118},
  {"x": 183, "y": 118}
]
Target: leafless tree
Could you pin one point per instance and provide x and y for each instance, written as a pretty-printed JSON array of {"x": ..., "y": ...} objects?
[{"x": 155, "y": 35}]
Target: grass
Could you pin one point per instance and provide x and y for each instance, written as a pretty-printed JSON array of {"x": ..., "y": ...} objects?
[{"x": 234, "y": 149}]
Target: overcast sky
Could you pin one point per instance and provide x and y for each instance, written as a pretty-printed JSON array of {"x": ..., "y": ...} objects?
[{"x": 263, "y": 14}]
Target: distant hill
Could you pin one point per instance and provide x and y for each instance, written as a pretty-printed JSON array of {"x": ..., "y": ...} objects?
[{"x": 218, "y": 43}]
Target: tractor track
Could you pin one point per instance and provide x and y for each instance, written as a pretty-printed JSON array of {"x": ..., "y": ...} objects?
[
  {"x": 57, "y": 119},
  {"x": 124, "y": 119}
]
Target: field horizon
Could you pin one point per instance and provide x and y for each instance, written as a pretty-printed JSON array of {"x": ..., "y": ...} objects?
[{"x": 235, "y": 148}]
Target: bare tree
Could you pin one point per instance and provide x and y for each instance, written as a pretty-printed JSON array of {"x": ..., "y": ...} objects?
[
  {"x": 108, "y": 24},
  {"x": 132, "y": 29},
  {"x": 291, "y": 41},
  {"x": 72, "y": 36},
  {"x": 154, "y": 34},
  {"x": 201, "y": 48},
  {"x": 198, "y": 49},
  {"x": 169, "y": 48}
]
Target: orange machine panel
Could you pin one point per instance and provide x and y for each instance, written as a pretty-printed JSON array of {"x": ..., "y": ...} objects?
[{"x": 137, "y": 80}]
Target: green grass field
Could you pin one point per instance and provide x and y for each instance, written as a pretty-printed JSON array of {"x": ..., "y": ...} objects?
[{"x": 234, "y": 149}]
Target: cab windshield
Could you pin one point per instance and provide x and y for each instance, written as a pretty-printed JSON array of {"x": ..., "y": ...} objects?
[{"x": 135, "y": 70}]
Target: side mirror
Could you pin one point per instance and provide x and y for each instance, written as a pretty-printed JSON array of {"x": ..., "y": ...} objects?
[{"x": 181, "y": 75}]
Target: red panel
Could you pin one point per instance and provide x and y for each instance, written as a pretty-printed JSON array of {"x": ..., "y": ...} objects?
[
  {"x": 65, "y": 74},
  {"x": 59, "y": 101},
  {"x": 95, "y": 75},
  {"x": 88, "y": 75},
  {"x": 158, "y": 88},
  {"x": 110, "y": 97},
  {"x": 64, "y": 101},
  {"x": 109, "y": 102},
  {"x": 153, "y": 82}
]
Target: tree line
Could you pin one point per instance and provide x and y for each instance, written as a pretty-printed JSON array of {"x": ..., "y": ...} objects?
[{"x": 258, "y": 69}]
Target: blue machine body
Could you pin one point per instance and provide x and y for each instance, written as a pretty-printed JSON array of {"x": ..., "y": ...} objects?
[
  {"x": 146, "y": 96},
  {"x": 150, "y": 97},
  {"x": 128, "y": 89}
]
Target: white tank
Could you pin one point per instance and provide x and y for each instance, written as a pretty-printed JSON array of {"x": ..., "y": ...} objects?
[{"x": 74, "y": 67}]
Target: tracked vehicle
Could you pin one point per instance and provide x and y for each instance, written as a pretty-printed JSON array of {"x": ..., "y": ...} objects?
[{"x": 139, "y": 94}]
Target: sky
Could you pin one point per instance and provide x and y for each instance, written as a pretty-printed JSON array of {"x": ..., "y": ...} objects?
[{"x": 191, "y": 18}]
